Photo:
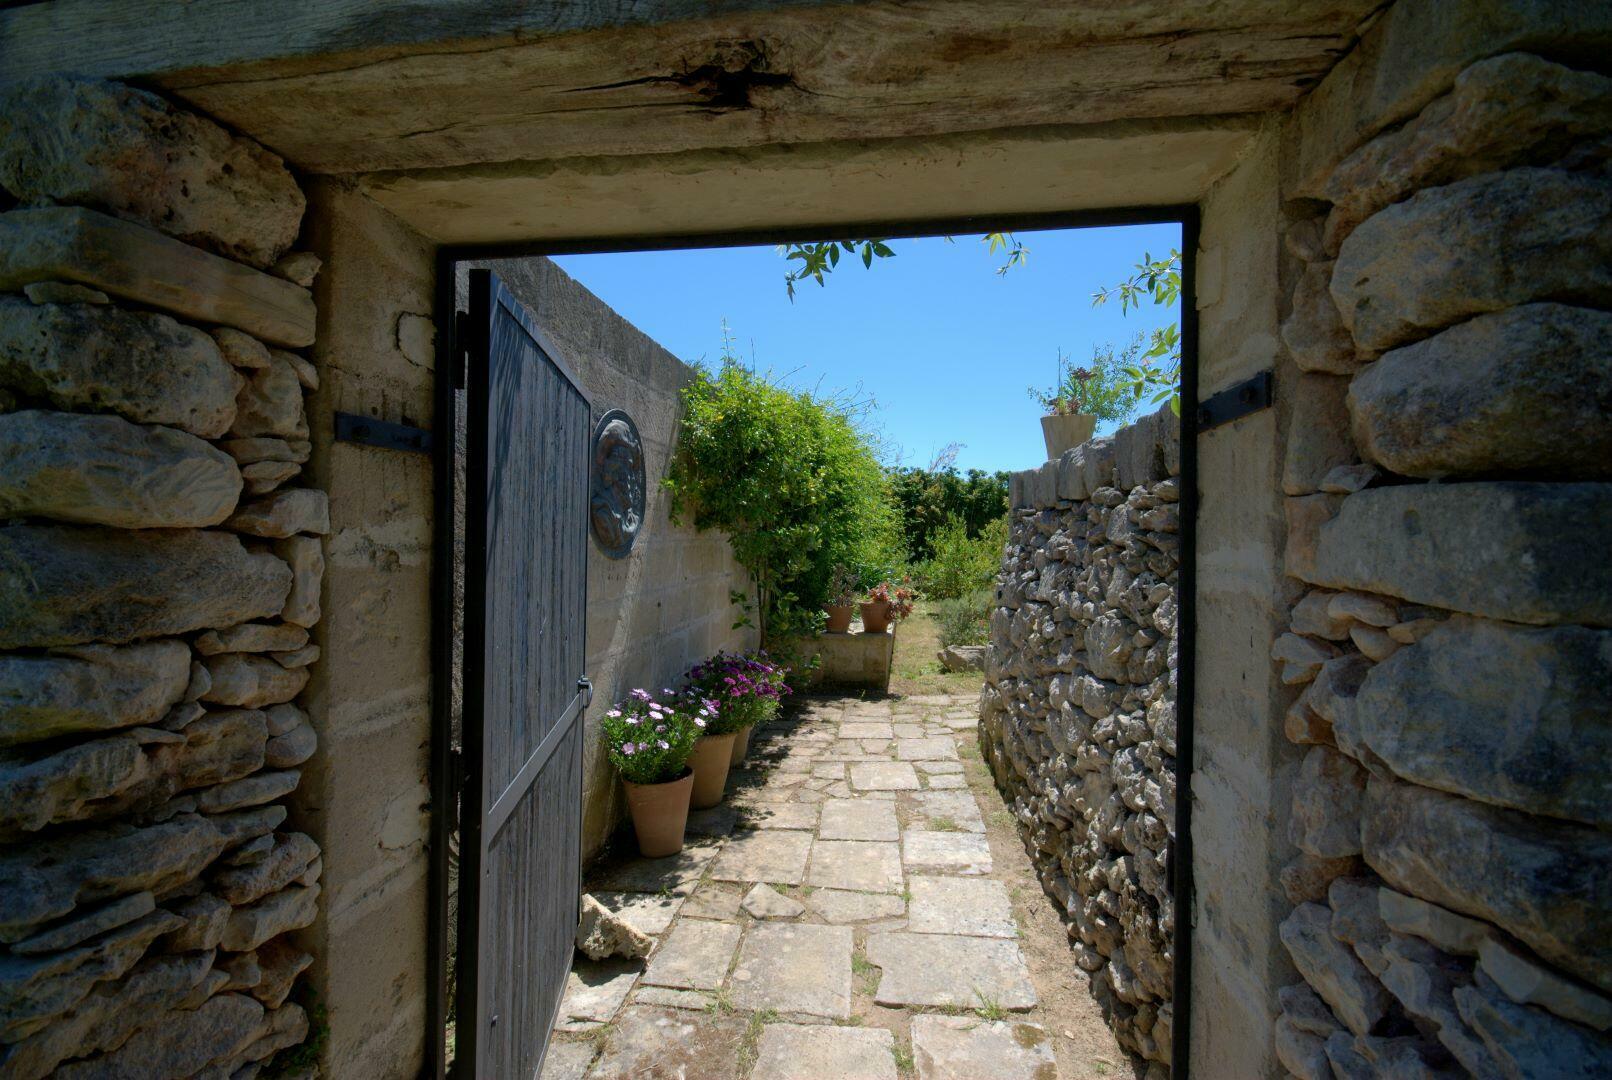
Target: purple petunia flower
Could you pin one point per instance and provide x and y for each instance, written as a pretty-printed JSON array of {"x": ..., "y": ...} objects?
[{"x": 628, "y": 748}]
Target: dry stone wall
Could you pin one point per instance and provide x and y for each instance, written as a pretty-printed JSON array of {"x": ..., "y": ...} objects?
[
  {"x": 1078, "y": 710},
  {"x": 1451, "y": 645},
  {"x": 160, "y": 568}
]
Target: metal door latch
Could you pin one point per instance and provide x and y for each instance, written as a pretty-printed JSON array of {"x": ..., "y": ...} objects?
[{"x": 585, "y": 688}]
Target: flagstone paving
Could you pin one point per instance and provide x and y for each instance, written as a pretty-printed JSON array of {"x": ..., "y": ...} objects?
[
  {"x": 966, "y": 1048},
  {"x": 803, "y": 1052},
  {"x": 847, "y": 889}
]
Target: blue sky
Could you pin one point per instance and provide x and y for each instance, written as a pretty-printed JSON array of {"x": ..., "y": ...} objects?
[{"x": 944, "y": 346}]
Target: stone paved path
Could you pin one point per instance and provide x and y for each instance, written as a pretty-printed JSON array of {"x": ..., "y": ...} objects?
[{"x": 843, "y": 916}]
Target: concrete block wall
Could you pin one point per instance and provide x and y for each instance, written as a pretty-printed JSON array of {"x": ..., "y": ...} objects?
[
  {"x": 1077, "y": 718},
  {"x": 1446, "y": 468},
  {"x": 160, "y": 575}
]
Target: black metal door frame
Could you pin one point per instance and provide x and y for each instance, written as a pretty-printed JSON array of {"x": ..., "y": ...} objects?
[{"x": 449, "y": 359}]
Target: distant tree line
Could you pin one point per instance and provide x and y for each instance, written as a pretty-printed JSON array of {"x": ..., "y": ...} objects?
[{"x": 928, "y": 499}]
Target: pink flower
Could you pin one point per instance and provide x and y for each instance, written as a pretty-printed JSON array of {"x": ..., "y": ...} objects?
[
  {"x": 628, "y": 748},
  {"x": 699, "y": 723},
  {"x": 660, "y": 727},
  {"x": 613, "y": 712},
  {"x": 663, "y": 744}
]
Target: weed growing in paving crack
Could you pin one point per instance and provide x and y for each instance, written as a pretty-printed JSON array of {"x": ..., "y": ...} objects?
[
  {"x": 988, "y": 1008},
  {"x": 903, "y": 1056},
  {"x": 944, "y": 824},
  {"x": 751, "y": 1041}
]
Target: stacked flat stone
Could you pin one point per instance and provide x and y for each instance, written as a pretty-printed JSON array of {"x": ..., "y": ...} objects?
[
  {"x": 1451, "y": 648},
  {"x": 1078, "y": 711},
  {"x": 159, "y": 574}
]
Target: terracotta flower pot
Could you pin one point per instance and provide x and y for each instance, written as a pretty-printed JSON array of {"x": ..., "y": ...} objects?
[
  {"x": 839, "y": 618},
  {"x": 1066, "y": 431},
  {"x": 710, "y": 761},
  {"x": 876, "y": 617},
  {"x": 660, "y": 814},
  {"x": 741, "y": 746}
]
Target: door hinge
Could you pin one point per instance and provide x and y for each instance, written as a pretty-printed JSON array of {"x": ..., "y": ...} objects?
[
  {"x": 456, "y": 774},
  {"x": 368, "y": 431},
  {"x": 461, "y": 348},
  {"x": 1235, "y": 402}
]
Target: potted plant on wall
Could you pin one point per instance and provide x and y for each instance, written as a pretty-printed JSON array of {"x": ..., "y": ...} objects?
[
  {"x": 1085, "y": 396},
  {"x": 886, "y": 603},
  {"x": 649, "y": 743},
  {"x": 841, "y": 600}
]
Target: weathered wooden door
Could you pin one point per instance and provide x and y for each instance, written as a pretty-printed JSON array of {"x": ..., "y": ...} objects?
[{"x": 528, "y": 426}]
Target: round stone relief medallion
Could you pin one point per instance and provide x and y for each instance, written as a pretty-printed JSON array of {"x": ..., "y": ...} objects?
[{"x": 616, "y": 484}]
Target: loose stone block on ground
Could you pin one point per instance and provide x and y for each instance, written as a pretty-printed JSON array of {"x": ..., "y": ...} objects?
[{"x": 795, "y": 968}]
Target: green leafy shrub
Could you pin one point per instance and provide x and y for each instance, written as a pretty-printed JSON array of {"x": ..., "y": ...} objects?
[
  {"x": 960, "y": 563},
  {"x": 793, "y": 481},
  {"x": 966, "y": 620}
]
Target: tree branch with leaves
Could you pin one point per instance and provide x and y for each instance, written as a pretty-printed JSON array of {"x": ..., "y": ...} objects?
[{"x": 1158, "y": 370}]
